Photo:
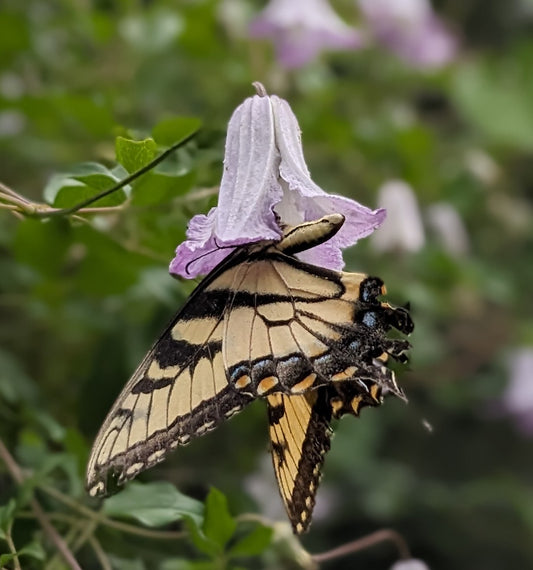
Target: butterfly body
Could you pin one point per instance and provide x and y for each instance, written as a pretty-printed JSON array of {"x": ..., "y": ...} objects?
[{"x": 262, "y": 324}]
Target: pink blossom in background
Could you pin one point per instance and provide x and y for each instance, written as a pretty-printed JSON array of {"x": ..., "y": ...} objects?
[
  {"x": 411, "y": 29},
  {"x": 410, "y": 564},
  {"x": 403, "y": 229},
  {"x": 266, "y": 185},
  {"x": 517, "y": 398},
  {"x": 448, "y": 228},
  {"x": 301, "y": 29}
]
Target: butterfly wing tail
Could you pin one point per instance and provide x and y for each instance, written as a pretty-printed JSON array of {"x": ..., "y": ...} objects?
[{"x": 300, "y": 438}]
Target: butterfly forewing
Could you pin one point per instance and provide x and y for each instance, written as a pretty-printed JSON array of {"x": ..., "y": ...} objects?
[{"x": 179, "y": 391}]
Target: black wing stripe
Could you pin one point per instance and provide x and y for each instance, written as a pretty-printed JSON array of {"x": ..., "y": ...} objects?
[
  {"x": 280, "y": 455},
  {"x": 296, "y": 412},
  {"x": 253, "y": 328},
  {"x": 291, "y": 411},
  {"x": 214, "y": 386},
  {"x": 291, "y": 431},
  {"x": 237, "y": 280},
  {"x": 284, "y": 473}
]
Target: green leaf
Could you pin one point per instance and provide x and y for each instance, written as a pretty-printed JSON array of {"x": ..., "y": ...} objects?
[
  {"x": 155, "y": 188},
  {"x": 153, "y": 504},
  {"x": 219, "y": 525},
  {"x": 126, "y": 563},
  {"x": 184, "y": 564},
  {"x": 253, "y": 543},
  {"x": 7, "y": 516},
  {"x": 171, "y": 131},
  {"x": 198, "y": 538},
  {"x": 70, "y": 195},
  {"x": 33, "y": 550},
  {"x": 81, "y": 182},
  {"x": 56, "y": 183},
  {"x": 93, "y": 174},
  {"x": 133, "y": 155},
  {"x": 210, "y": 537},
  {"x": 5, "y": 558}
]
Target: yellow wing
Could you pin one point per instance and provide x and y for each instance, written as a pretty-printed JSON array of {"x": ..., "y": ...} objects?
[
  {"x": 261, "y": 322},
  {"x": 299, "y": 438},
  {"x": 300, "y": 432}
]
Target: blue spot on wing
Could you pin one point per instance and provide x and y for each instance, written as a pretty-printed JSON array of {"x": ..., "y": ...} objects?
[{"x": 370, "y": 319}]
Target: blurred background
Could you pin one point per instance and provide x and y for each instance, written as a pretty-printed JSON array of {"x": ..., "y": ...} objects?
[{"x": 426, "y": 110}]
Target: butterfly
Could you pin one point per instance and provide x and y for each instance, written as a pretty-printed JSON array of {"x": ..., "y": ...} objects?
[{"x": 263, "y": 324}]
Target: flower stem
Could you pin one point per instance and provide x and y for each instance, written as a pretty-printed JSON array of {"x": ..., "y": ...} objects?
[
  {"x": 12, "y": 549},
  {"x": 36, "y": 210},
  {"x": 40, "y": 515},
  {"x": 260, "y": 89},
  {"x": 366, "y": 542},
  {"x": 100, "y": 554},
  {"x": 100, "y": 518}
]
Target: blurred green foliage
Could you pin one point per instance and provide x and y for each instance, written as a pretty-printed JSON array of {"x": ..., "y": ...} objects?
[{"x": 90, "y": 92}]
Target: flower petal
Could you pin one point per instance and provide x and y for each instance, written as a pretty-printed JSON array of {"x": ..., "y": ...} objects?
[
  {"x": 309, "y": 201},
  {"x": 248, "y": 193},
  {"x": 249, "y": 188},
  {"x": 200, "y": 252}
]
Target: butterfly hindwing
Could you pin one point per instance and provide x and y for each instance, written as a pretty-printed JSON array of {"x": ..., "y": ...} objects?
[
  {"x": 300, "y": 438},
  {"x": 300, "y": 433}
]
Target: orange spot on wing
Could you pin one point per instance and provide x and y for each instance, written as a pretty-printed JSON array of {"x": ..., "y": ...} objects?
[
  {"x": 345, "y": 374},
  {"x": 267, "y": 384},
  {"x": 243, "y": 381},
  {"x": 304, "y": 384}
]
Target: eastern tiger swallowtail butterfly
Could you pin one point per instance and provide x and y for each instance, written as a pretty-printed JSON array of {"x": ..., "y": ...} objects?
[{"x": 262, "y": 324}]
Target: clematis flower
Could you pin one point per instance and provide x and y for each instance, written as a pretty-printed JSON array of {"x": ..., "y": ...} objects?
[
  {"x": 301, "y": 29},
  {"x": 403, "y": 229},
  {"x": 412, "y": 30},
  {"x": 266, "y": 185}
]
